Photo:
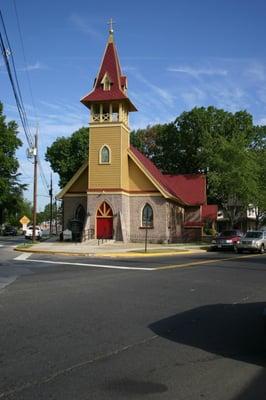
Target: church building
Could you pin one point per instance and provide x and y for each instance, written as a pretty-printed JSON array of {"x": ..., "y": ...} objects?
[{"x": 118, "y": 193}]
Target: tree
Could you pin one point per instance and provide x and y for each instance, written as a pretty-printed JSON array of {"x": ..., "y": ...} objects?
[
  {"x": 259, "y": 197},
  {"x": 10, "y": 187},
  {"x": 233, "y": 177},
  {"x": 212, "y": 141},
  {"x": 44, "y": 215},
  {"x": 67, "y": 154}
]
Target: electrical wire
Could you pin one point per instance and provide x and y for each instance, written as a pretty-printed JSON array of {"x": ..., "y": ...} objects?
[
  {"x": 11, "y": 70},
  {"x": 12, "y": 74}
]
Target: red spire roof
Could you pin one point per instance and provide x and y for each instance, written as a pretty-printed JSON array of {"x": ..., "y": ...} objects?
[{"x": 110, "y": 68}]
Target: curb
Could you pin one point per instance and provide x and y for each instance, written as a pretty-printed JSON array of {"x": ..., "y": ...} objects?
[{"x": 108, "y": 255}]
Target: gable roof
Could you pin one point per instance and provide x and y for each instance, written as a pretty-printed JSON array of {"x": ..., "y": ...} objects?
[
  {"x": 187, "y": 189},
  {"x": 72, "y": 181},
  {"x": 190, "y": 187},
  {"x": 110, "y": 66},
  {"x": 209, "y": 211}
]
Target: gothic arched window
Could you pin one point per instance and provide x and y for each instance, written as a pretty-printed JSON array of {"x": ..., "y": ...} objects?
[
  {"x": 80, "y": 213},
  {"x": 105, "y": 156},
  {"x": 147, "y": 216}
]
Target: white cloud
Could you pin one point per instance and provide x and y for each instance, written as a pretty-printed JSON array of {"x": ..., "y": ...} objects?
[
  {"x": 33, "y": 67},
  {"x": 196, "y": 72},
  {"x": 164, "y": 95},
  {"x": 84, "y": 26},
  {"x": 256, "y": 71}
]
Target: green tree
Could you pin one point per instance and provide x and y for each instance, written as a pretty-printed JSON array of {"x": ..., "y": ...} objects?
[
  {"x": 259, "y": 198},
  {"x": 10, "y": 187},
  {"x": 67, "y": 154},
  {"x": 44, "y": 215},
  {"x": 213, "y": 141}
]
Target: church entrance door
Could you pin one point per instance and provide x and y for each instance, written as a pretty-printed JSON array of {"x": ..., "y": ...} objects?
[{"x": 104, "y": 221}]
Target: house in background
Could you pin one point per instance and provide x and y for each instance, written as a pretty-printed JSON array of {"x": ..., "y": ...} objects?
[
  {"x": 247, "y": 220},
  {"x": 118, "y": 193}
]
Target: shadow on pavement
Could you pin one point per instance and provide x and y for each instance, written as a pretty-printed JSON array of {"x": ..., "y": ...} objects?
[{"x": 232, "y": 331}]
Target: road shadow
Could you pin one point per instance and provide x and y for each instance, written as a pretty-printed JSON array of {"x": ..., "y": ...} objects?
[{"x": 234, "y": 331}]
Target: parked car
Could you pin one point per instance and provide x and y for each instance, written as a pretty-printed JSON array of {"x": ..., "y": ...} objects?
[
  {"x": 29, "y": 232},
  {"x": 227, "y": 240},
  {"x": 9, "y": 231},
  {"x": 253, "y": 241}
]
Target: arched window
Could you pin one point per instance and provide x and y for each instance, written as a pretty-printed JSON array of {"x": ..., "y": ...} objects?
[
  {"x": 147, "y": 216},
  {"x": 105, "y": 155},
  {"x": 80, "y": 213}
]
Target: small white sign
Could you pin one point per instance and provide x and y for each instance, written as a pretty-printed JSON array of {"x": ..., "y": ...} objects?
[{"x": 67, "y": 234}]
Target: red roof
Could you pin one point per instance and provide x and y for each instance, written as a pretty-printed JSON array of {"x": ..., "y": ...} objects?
[
  {"x": 209, "y": 211},
  {"x": 193, "y": 224},
  {"x": 110, "y": 66},
  {"x": 189, "y": 189}
]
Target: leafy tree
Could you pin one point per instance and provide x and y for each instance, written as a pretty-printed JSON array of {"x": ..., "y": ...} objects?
[
  {"x": 67, "y": 154},
  {"x": 259, "y": 197},
  {"x": 208, "y": 140},
  {"x": 44, "y": 215},
  {"x": 20, "y": 208},
  {"x": 10, "y": 187}
]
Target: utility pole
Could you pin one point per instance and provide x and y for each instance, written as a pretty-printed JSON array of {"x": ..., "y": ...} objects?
[
  {"x": 51, "y": 203},
  {"x": 35, "y": 154}
]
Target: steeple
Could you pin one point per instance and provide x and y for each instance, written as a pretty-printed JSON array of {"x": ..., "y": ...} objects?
[{"x": 110, "y": 85}]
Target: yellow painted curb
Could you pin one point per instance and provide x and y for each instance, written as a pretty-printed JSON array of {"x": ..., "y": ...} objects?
[
  {"x": 62, "y": 253},
  {"x": 107, "y": 255},
  {"x": 132, "y": 255}
]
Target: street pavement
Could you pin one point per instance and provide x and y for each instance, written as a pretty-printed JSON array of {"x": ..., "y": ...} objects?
[{"x": 180, "y": 327}]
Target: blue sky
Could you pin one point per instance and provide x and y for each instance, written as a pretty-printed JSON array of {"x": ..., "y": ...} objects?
[{"x": 176, "y": 55}]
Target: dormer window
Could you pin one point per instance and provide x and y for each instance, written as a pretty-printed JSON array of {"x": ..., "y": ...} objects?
[{"x": 106, "y": 82}]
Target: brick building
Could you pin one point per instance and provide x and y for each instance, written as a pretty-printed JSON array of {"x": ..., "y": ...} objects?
[{"x": 118, "y": 192}]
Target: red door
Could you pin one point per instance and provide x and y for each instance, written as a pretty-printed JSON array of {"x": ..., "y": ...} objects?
[
  {"x": 104, "y": 222},
  {"x": 104, "y": 228}
]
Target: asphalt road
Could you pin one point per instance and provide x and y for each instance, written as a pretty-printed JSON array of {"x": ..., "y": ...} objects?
[{"x": 182, "y": 327}]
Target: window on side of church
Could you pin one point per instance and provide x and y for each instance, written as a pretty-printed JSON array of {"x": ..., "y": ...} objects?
[
  {"x": 147, "y": 216},
  {"x": 105, "y": 155}
]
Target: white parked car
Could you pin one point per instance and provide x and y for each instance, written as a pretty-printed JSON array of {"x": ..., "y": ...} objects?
[
  {"x": 252, "y": 241},
  {"x": 29, "y": 232}
]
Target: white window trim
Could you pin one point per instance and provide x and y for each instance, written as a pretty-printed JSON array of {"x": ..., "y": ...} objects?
[{"x": 100, "y": 155}]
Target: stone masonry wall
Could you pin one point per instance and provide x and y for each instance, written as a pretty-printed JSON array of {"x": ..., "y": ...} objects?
[
  {"x": 159, "y": 232},
  {"x": 120, "y": 207},
  {"x": 70, "y": 206}
]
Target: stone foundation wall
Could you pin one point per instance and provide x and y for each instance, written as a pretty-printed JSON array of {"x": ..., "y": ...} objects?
[
  {"x": 159, "y": 233},
  {"x": 70, "y": 206},
  {"x": 127, "y": 217},
  {"x": 121, "y": 213}
]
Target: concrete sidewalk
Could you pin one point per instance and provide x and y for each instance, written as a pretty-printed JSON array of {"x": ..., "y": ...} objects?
[{"x": 109, "y": 248}]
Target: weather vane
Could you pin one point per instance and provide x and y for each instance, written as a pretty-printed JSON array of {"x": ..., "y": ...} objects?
[{"x": 111, "y": 22}]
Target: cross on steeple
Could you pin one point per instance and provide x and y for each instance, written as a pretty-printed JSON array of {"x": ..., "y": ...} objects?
[{"x": 111, "y": 22}]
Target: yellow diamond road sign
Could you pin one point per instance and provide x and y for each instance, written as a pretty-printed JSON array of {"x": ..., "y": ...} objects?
[{"x": 24, "y": 220}]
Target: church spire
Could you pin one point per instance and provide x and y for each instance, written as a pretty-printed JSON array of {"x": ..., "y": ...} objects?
[
  {"x": 111, "y": 31},
  {"x": 110, "y": 84}
]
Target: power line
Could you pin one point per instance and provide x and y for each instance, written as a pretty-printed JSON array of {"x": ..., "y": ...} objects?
[
  {"x": 7, "y": 52},
  {"x": 25, "y": 60},
  {"x": 12, "y": 74}
]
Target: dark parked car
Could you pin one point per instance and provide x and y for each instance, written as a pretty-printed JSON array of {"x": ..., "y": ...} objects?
[
  {"x": 227, "y": 240},
  {"x": 9, "y": 231}
]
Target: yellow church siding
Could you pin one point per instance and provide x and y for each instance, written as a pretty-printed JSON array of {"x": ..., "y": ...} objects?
[
  {"x": 124, "y": 159},
  {"x": 105, "y": 175},
  {"x": 137, "y": 179},
  {"x": 81, "y": 184}
]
